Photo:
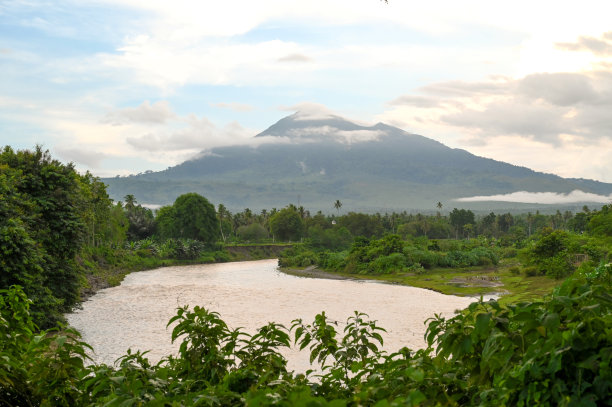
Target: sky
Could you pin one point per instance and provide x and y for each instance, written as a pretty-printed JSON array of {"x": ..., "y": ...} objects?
[{"x": 122, "y": 87}]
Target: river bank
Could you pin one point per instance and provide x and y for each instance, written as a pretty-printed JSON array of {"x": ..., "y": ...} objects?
[
  {"x": 498, "y": 282},
  {"x": 105, "y": 267}
]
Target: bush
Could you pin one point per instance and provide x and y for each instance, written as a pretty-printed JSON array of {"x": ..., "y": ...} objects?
[
  {"x": 253, "y": 232},
  {"x": 388, "y": 264},
  {"x": 298, "y": 256},
  {"x": 531, "y": 271},
  {"x": 335, "y": 261},
  {"x": 509, "y": 252}
]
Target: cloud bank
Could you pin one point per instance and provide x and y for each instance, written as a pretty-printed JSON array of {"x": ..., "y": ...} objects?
[{"x": 575, "y": 196}]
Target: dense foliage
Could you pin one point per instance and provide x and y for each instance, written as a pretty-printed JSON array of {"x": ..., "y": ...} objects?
[
  {"x": 559, "y": 253},
  {"x": 191, "y": 217},
  {"x": 43, "y": 217},
  {"x": 59, "y": 230},
  {"x": 557, "y": 351},
  {"x": 391, "y": 254}
]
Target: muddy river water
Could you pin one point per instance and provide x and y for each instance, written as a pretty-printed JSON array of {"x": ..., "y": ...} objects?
[{"x": 247, "y": 294}]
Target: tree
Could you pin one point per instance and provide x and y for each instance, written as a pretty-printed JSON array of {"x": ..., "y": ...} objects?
[
  {"x": 600, "y": 223},
  {"x": 222, "y": 214},
  {"x": 141, "y": 219},
  {"x": 360, "y": 224},
  {"x": 439, "y": 206},
  {"x": 166, "y": 224},
  {"x": 287, "y": 224},
  {"x": 42, "y": 228},
  {"x": 253, "y": 232},
  {"x": 191, "y": 216},
  {"x": 460, "y": 218},
  {"x": 338, "y": 205}
]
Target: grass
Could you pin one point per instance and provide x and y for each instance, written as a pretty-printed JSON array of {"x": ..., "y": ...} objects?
[{"x": 474, "y": 281}]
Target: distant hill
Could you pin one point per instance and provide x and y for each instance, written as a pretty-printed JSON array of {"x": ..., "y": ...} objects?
[{"x": 314, "y": 161}]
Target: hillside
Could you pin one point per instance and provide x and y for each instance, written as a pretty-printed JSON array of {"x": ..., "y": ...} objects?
[{"x": 314, "y": 161}]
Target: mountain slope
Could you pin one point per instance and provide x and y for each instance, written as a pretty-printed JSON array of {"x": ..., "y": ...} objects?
[{"x": 316, "y": 160}]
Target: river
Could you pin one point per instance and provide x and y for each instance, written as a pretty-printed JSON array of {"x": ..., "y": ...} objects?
[{"x": 247, "y": 294}]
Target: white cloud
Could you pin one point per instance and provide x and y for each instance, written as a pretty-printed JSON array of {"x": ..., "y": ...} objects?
[
  {"x": 358, "y": 136},
  {"x": 311, "y": 132},
  {"x": 165, "y": 64},
  {"x": 575, "y": 196},
  {"x": 601, "y": 46},
  {"x": 553, "y": 122},
  {"x": 156, "y": 113},
  {"x": 86, "y": 157},
  {"x": 199, "y": 134},
  {"x": 310, "y": 111},
  {"x": 296, "y": 58}
]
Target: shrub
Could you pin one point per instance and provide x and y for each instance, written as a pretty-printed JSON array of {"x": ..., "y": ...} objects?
[
  {"x": 387, "y": 264},
  {"x": 252, "y": 232}
]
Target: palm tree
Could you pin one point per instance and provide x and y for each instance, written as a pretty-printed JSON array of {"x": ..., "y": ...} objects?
[
  {"x": 222, "y": 212},
  {"x": 130, "y": 201},
  {"x": 338, "y": 205},
  {"x": 529, "y": 222}
]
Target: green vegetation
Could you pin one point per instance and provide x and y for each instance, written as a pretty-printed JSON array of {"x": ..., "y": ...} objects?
[
  {"x": 556, "y": 351},
  {"x": 61, "y": 235},
  {"x": 44, "y": 220},
  {"x": 520, "y": 256},
  {"x": 62, "y": 238},
  {"x": 191, "y": 217}
]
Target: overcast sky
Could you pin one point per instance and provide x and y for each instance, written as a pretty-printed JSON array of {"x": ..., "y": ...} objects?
[{"x": 124, "y": 86}]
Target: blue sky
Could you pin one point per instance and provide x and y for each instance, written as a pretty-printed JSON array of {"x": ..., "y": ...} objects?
[{"x": 121, "y": 87}]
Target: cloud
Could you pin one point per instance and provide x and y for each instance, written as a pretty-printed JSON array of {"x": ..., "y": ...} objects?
[
  {"x": 358, "y": 136},
  {"x": 200, "y": 134},
  {"x": 599, "y": 46},
  {"x": 310, "y": 111},
  {"x": 416, "y": 101},
  {"x": 312, "y": 132},
  {"x": 303, "y": 166},
  {"x": 167, "y": 64},
  {"x": 560, "y": 89},
  {"x": 575, "y": 196},
  {"x": 89, "y": 158},
  {"x": 469, "y": 89},
  {"x": 543, "y": 106},
  {"x": 300, "y": 58},
  {"x": 156, "y": 113},
  {"x": 236, "y": 107},
  {"x": 512, "y": 117}
]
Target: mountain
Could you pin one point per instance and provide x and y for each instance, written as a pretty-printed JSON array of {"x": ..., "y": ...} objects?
[{"x": 315, "y": 160}]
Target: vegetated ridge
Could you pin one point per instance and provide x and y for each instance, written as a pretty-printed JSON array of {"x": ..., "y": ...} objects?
[{"x": 315, "y": 160}]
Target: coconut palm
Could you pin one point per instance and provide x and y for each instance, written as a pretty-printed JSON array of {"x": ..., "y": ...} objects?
[{"x": 338, "y": 205}]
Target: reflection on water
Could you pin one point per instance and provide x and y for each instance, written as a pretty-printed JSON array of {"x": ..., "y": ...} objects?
[{"x": 249, "y": 295}]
